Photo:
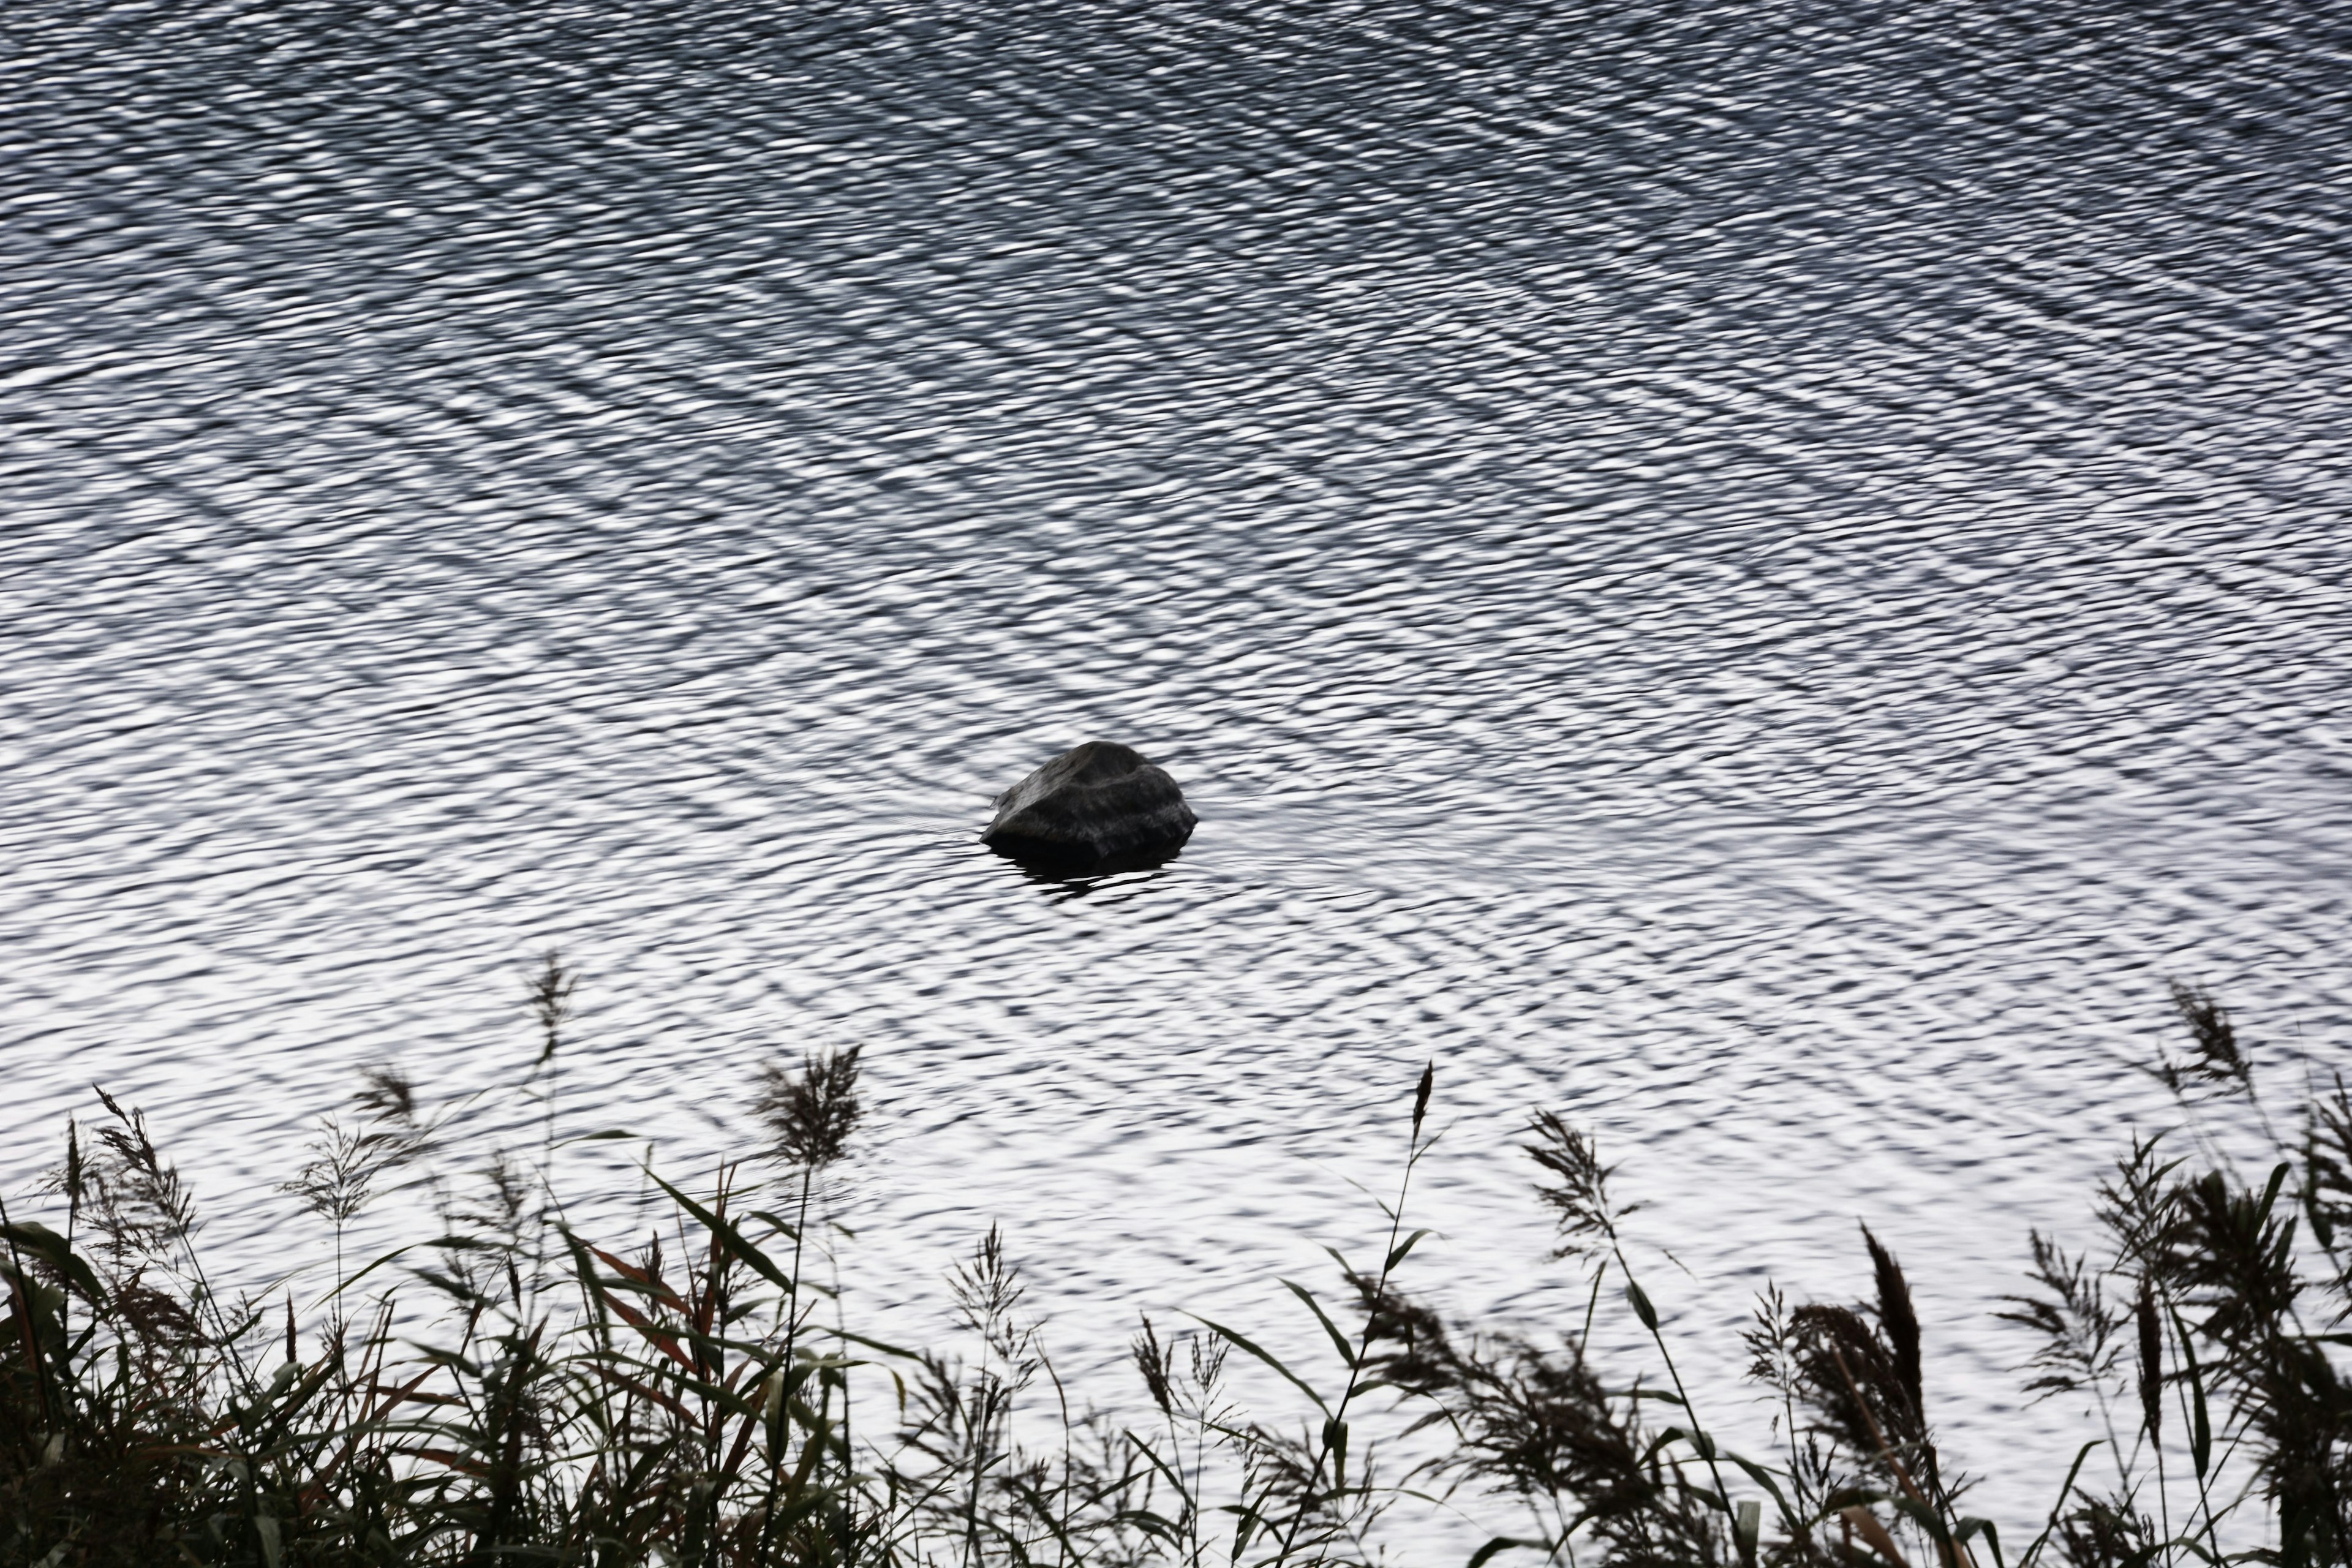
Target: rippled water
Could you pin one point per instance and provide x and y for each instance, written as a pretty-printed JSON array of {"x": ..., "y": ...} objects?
[{"x": 1762, "y": 573}]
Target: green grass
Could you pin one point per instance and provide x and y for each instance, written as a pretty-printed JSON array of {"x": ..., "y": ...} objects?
[{"x": 701, "y": 1400}]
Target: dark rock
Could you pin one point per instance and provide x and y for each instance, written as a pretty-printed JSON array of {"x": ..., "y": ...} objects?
[{"x": 1099, "y": 806}]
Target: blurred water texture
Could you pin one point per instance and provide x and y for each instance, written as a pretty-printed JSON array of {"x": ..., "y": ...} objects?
[{"x": 1761, "y": 572}]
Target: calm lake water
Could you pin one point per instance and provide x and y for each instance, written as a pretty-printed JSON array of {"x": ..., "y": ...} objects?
[{"x": 1759, "y": 573}]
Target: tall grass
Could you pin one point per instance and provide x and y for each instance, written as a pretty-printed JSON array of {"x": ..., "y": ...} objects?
[{"x": 700, "y": 1398}]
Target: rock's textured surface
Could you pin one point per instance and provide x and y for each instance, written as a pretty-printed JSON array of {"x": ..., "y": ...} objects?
[{"x": 1098, "y": 801}]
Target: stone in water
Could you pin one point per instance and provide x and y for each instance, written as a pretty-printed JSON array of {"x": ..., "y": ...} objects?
[{"x": 1100, "y": 803}]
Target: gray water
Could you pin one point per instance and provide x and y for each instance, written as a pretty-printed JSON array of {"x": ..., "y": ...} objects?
[{"x": 1761, "y": 574}]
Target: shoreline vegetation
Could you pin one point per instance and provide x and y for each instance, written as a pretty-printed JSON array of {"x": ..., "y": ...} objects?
[{"x": 702, "y": 1399}]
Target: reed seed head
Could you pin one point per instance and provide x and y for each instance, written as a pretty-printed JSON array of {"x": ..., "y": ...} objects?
[
  {"x": 1899, "y": 1321},
  {"x": 1580, "y": 1205},
  {"x": 340, "y": 1176},
  {"x": 1421, "y": 1098},
  {"x": 551, "y": 1002},
  {"x": 1157, "y": 1362},
  {"x": 73, "y": 1171},
  {"x": 387, "y": 1094},
  {"x": 2218, "y": 1056},
  {"x": 810, "y": 1113},
  {"x": 138, "y": 1200},
  {"x": 2151, "y": 1361}
]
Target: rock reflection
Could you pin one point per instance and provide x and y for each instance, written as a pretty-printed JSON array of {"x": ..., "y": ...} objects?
[{"x": 1072, "y": 877}]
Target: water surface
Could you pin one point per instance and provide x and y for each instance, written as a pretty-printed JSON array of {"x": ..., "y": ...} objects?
[{"x": 1762, "y": 573}]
